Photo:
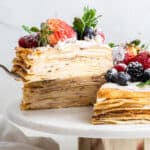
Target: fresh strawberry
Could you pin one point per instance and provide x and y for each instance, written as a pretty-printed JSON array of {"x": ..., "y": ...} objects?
[
  {"x": 60, "y": 31},
  {"x": 131, "y": 52},
  {"x": 144, "y": 59},
  {"x": 120, "y": 67},
  {"x": 128, "y": 57}
]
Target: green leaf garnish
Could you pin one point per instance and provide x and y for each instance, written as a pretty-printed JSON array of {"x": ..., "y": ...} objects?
[
  {"x": 89, "y": 19},
  {"x": 26, "y": 28},
  {"x": 143, "y": 46},
  {"x": 79, "y": 26},
  {"x": 142, "y": 84},
  {"x": 30, "y": 30},
  {"x": 43, "y": 33},
  {"x": 111, "y": 45},
  {"x": 136, "y": 42},
  {"x": 34, "y": 29}
]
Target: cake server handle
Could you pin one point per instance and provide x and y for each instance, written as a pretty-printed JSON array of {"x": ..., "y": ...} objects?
[{"x": 12, "y": 74}]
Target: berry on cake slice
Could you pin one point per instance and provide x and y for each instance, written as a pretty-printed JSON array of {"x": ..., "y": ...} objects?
[
  {"x": 29, "y": 41},
  {"x": 132, "y": 63},
  {"x": 86, "y": 26},
  {"x": 146, "y": 75},
  {"x": 50, "y": 32},
  {"x": 61, "y": 31},
  {"x": 111, "y": 75},
  {"x": 143, "y": 58},
  {"x": 120, "y": 67},
  {"x": 131, "y": 50},
  {"x": 135, "y": 70},
  {"x": 123, "y": 78},
  {"x": 89, "y": 33}
]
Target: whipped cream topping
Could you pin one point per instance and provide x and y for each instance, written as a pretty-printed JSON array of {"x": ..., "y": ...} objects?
[
  {"x": 131, "y": 87},
  {"x": 97, "y": 41},
  {"x": 73, "y": 42}
]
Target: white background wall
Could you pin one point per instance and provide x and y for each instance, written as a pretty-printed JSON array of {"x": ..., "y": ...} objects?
[{"x": 122, "y": 20}]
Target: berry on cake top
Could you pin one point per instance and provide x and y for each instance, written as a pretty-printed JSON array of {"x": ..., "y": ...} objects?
[
  {"x": 131, "y": 64},
  {"x": 54, "y": 30}
]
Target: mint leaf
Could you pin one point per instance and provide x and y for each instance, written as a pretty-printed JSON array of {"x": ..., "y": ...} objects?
[
  {"x": 142, "y": 84},
  {"x": 147, "y": 82},
  {"x": 111, "y": 45},
  {"x": 136, "y": 42},
  {"x": 30, "y": 30},
  {"x": 26, "y": 28},
  {"x": 143, "y": 46},
  {"x": 34, "y": 29},
  {"x": 79, "y": 26},
  {"x": 89, "y": 19}
]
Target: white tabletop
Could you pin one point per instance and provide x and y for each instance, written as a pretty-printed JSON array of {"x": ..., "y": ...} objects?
[{"x": 72, "y": 121}]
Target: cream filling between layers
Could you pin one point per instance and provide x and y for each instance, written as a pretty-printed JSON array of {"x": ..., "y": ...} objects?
[{"x": 130, "y": 87}]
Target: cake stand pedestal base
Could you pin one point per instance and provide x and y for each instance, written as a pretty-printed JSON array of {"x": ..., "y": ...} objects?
[{"x": 113, "y": 144}]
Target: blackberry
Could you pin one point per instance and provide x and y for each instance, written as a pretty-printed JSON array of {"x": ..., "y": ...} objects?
[
  {"x": 146, "y": 75},
  {"x": 111, "y": 75},
  {"x": 135, "y": 70},
  {"x": 123, "y": 78}
]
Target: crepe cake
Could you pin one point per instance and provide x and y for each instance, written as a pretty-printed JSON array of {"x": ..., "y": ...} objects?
[
  {"x": 125, "y": 98},
  {"x": 62, "y": 66}
]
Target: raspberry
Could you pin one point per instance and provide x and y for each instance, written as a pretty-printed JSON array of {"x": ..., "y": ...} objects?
[
  {"x": 120, "y": 67},
  {"x": 144, "y": 59},
  {"x": 29, "y": 41}
]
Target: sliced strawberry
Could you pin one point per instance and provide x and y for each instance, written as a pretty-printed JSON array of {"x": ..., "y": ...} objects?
[{"x": 60, "y": 31}]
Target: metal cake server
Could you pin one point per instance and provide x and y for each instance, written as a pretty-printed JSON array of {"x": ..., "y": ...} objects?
[{"x": 12, "y": 74}]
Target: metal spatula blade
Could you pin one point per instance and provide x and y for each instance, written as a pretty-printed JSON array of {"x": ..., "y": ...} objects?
[{"x": 9, "y": 72}]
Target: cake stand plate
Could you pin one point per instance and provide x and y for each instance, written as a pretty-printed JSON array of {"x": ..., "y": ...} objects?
[{"x": 72, "y": 121}]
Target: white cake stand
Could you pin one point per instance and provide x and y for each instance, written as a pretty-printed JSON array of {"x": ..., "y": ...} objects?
[{"x": 76, "y": 122}]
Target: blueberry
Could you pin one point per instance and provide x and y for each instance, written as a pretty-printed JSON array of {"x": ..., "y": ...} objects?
[
  {"x": 111, "y": 75},
  {"x": 89, "y": 33},
  {"x": 123, "y": 78},
  {"x": 146, "y": 75}
]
